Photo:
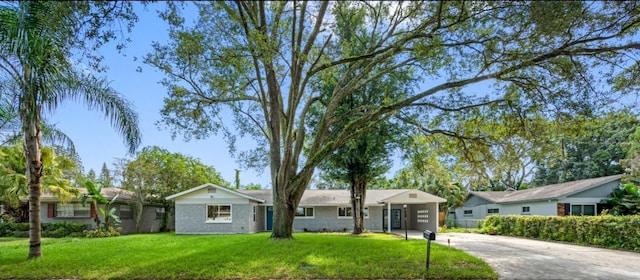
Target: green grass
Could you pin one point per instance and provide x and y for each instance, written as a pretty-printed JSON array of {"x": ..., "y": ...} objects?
[{"x": 255, "y": 256}]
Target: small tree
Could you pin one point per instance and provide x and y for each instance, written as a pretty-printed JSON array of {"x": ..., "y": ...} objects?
[{"x": 95, "y": 197}]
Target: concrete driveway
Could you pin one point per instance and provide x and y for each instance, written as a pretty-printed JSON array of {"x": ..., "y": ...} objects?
[{"x": 518, "y": 258}]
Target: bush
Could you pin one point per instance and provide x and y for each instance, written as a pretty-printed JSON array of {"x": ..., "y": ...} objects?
[
  {"x": 111, "y": 232},
  {"x": 55, "y": 230},
  {"x": 615, "y": 232}
]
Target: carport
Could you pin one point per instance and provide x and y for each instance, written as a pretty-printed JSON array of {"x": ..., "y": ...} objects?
[{"x": 413, "y": 210}]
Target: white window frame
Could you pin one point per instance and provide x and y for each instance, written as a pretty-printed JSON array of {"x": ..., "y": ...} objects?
[
  {"x": 528, "y": 210},
  {"x": 489, "y": 211},
  {"x": 71, "y": 210},
  {"x": 595, "y": 209},
  {"x": 218, "y": 221},
  {"x": 306, "y": 213},
  {"x": 464, "y": 212},
  {"x": 366, "y": 212}
]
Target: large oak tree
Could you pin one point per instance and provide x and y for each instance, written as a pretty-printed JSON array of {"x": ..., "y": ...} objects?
[{"x": 254, "y": 60}]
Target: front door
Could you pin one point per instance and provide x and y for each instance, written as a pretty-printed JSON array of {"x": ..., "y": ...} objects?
[
  {"x": 396, "y": 219},
  {"x": 269, "y": 217}
]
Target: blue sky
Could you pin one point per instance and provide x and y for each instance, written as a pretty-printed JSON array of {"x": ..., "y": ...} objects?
[{"x": 97, "y": 142}]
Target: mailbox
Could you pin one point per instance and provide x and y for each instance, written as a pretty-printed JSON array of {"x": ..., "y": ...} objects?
[{"x": 429, "y": 235}]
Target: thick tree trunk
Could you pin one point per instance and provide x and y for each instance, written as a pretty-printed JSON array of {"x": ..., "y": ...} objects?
[
  {"x": 283, "y": 215},
  {"x": 30, "y": 116},
  {"x": 358, "y": 192},
  {"x": 285, "y": 201}
]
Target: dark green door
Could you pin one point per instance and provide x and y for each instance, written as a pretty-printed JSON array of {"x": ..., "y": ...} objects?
[
  {"x": 269, "y": 217},
  {"x": 396, "y": 219}
]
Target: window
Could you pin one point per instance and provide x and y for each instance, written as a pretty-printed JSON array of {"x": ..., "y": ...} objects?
[
  {"x": 493, "y": 211},
  {"x": 304, "y": 212},
  {"x": 468, "y": 212},
  {"x": 345, "y": 212},
  {"x": 583, "y": 210},
  {"x": 159, "y": 213},
  {"x": 72, "y": 210},
  {"x": 255, "y": 209},
  {"x": 125, "y": 212},
  {"x": 526, "y": 210},
  {"x": 219, "y": 213}
]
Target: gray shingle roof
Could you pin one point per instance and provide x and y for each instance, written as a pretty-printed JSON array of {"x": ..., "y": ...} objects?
[
  {"x": 554, "y": 191},
  {"x": 328, "y": 197}
]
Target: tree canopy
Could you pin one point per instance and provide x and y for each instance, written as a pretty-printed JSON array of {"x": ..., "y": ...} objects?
[
  {"x": 255, "y": 60},
  {"x": 156, "y": 173}
]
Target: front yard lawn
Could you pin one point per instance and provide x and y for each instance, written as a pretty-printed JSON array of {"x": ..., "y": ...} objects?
[{"x": 256, "y": 256}]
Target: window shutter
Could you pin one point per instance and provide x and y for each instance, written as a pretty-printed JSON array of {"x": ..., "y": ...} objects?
[
  {"x": 51, "y": 210},
  {"x": 93, "y": 210}
]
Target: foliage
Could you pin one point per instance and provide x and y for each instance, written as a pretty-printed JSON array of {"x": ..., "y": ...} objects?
[
  {"x": 427, "y": 173},
  {"x": 55, "y": 230},
  {"x": 156, "y": 173},
  {"x": 309, "y": 255},
  {"x": 96, "y": 198},
  {"x": 595, "y": 150},
  {"x": 105, "y": 177},
  {"x": 13, "y": 182},
  {"x": 367, "y": 155},
  {"x": 254, "y": 61},
  {"x": 252, "y": 186},
  {"x": 37, "y": 42},
  {"x": 624, "y": 201},
  {"x": 615, "y": 232},
  {"x": 102, "y": 232},
  {"x": 631, "y": 162}
]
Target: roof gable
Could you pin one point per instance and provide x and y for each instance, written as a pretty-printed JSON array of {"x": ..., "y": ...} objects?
[
  {"x": 412, "y": 196},
  {"x": 215, "y": 187}
]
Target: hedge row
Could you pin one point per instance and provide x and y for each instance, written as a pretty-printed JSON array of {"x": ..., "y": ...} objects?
[
  {"x": 56, "y": 230},
  {"x": 615, "y": 232}
]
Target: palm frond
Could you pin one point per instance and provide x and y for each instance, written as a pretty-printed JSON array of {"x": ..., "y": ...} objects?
[{"x": 97, "y": 95}]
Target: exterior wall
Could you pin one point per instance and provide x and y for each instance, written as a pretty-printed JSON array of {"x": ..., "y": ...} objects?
[
  {"x": 479, "y": 212},
  {"x": 261, "y": 216},
  {"x": 127, "y": 225},
  {"x": 148, "y": 221},
  {"x": 326, "y": 218},
  {"x": 191, "y": 219},
  {"x": 254, "y": 218},
  {"x": 475, "y": 201},
  {"x": 44, "y": 218},
  {"x": 542, "y": 208},
  {"x": 599, "y": 192}
]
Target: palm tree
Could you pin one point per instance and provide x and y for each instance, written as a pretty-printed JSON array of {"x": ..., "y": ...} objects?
[{"x": 34, "y": 57}]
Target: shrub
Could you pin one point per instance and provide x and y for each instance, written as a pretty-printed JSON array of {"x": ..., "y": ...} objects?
[
  {"x": 55, "y": 230},
  {"x": 110, "y": 232},
  {"x": 616, "y": 232}
]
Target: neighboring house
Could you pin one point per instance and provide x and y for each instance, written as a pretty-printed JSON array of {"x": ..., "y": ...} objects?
[
  {"x": 577, "y": 198},
  {"x": 51, "y": 211},
  {"x": 211, "y": 209}
]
